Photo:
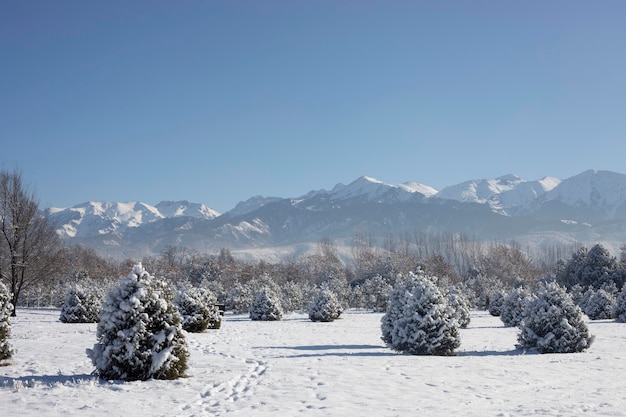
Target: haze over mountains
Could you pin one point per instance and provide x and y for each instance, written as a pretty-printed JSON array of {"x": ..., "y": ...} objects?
[{"x": 589, "y": 207}]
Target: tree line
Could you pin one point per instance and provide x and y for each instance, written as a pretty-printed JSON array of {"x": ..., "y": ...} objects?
[{"x": 38, "y": 269}]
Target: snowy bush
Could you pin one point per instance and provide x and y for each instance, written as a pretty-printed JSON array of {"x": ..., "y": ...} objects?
[
  {"x": 266, "y": 307},
  {"x": 139, "y": 334},
  {"x": 598, "y": 304},
  {"x": 80, "y": 306},
  {"x": 513, "y": 307},
  {"x": 375, "y": 293},
  {"x": 198, "y": 309},
  {"x": 326, "y": 307},
  {"x": 496, "y": 299},
  {"x": 6, "y": 308},
  {"x": 340, "y": 287},
  {"x": 479, "y": 289},
  {"x": 239, "y": 298},
  {"x": 619, "y": 308},
  {"x": 552, "y": 323},
  {"x": 461, "y": 308},
  {"x": 419, "y": 319},
  {"x": 297, "y": 295}
]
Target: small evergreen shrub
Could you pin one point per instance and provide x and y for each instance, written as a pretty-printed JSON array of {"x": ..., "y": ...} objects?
[
  {"x": 198, "y": 309},
  {"x": 239, "y": 298},
  {"x": 513, "y": 307},
  {"x": 552, "y": 323},
  {"x": 375, "y": 292},
  {"x": 419, "y": 319},
  {"x": 80, "y": 306},
  {"x": 461, "y": 308},
  {"x": 6, "y": 308},
  {"x": 598, "y": 304},
  {"x": 326, "y": 307},
  {"x": 619, "y": 308},
  {"x": 496, "y": 300},
  {"x": 139, "y": 335},
  {"x": 266, "y": 307}
]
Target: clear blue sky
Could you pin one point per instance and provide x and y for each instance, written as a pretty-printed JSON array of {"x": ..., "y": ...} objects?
[{"x": 218, "y": 101}]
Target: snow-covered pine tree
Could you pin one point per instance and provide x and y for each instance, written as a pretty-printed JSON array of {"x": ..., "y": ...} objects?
[
  {"x": 598, "y": 304},
  {"x": 239, "y": 298},
  {"x": 80, "y": 306},
  {"x": 198, "y": 309},
  {"x": 619, "y": 308},
  {"x": 139, "y": 334},
  {"x": 6, "y": 308},
  {"x": 513, "y": 306},
  {"x": 326, "y": 307},
  {"x": 376, "y": 293},
  {"x": 419, "y": 319},
  {"x": 552, "y": 323},
  {"x": 461, "y": 307},
  {"x": 266, "y": 307},
  {"x": 496, "y": 299}
]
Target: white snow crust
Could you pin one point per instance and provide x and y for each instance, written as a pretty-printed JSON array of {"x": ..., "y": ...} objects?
[{"x": 297, "y": 367}]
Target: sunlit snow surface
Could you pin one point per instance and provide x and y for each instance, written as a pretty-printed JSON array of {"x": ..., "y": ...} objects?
[{"x": 297, "y": 367}]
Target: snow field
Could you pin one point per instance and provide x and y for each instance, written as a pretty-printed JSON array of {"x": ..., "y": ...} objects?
[{"x": 298, "y": 367}]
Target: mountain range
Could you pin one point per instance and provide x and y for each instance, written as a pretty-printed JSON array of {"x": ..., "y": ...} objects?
[{"x": 587, "y": 208}]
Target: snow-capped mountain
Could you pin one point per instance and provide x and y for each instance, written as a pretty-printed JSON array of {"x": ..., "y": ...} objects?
[
  {"x": 590, "y": 206},
  {"x": 507, "y": 194},
  {"x": 104, "y": 218}
]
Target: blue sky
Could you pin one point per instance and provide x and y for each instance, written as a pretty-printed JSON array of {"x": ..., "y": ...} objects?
[{"x": 218, "y": 101}]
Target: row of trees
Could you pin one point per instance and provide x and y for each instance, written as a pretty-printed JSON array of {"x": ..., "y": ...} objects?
[{"x": 38, "y": 270}]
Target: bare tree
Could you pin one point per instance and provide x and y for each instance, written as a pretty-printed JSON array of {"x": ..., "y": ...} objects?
[{"x": 28, "y": 242}]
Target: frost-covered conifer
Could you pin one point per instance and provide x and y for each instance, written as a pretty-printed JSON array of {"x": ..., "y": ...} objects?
[
  {"x": 376, "y": 293},
  {"x": 619, "y": 308},
  {"x": 496, "y": 300},
  {"x": 6, "y": 308},
  {"x": 326, "y": 307},
  {"x": 419, "y": 319},
  {"x": 553, "y": 323},
  {"x": 239, "y": 298},
  {"x": 461, "y": 307},
  {"x": 80, "y": 306},
  {"x": 198, "y": 309},
  {"x": 266, "y": 307},
  {"x": 139, "y": 334},
  {"x": 598, "y": 304},
  {"x": 513, "y": 306}
]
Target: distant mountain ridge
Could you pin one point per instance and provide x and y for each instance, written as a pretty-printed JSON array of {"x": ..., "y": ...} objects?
[{"x": 590, "y": 206}]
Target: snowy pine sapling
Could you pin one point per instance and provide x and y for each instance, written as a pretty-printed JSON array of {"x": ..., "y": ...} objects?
[
  {"x": 461, "y": 307},
  {"x": 326, "y": 307},
  {"x": 598, "y": 304},
  {"x": 513, "y": 306},
  {"x": 376, "y": 293},
  {"x": 419, "y": 319},
  {"x": 619, "y": 308},
  {"x": 139, "y": 334},
  {"x": 198, "y": 309},
  {"x": 266, "y": 307},
  {"x": 6, "y": 308},
  {"x": 552, "y": 323},
  {"x": 80, "y": 306},
  {"x": 496, "y": 299}
]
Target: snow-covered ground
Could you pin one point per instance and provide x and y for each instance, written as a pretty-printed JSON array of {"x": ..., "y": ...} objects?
[{"x": 297, "y": 367}]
